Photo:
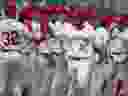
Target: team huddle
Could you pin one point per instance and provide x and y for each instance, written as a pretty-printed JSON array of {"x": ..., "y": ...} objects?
[{"x": 89, "y": 50}]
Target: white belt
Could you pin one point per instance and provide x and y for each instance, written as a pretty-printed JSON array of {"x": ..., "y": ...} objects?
[{"x": 9, "y": 55}]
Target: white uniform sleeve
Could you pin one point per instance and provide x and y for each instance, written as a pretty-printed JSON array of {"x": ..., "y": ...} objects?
[
  {"x": 57, "y": 28},
  {"x": 123, "y": 35},
  {"x": 10, "y": 25},
  {"x": 71, "y": 32}
]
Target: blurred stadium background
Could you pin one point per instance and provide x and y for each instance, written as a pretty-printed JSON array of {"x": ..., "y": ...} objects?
[{"x": 119, "y": 6}]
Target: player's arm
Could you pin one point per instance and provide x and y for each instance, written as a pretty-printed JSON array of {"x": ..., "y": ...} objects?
[
  {"x": 67, "y": 30},
  {"x": 123, "y": 35}
]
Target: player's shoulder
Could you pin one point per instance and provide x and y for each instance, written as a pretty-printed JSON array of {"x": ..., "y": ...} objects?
[{"x": 12, "y": 23}]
